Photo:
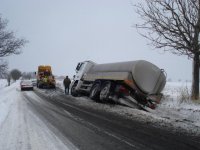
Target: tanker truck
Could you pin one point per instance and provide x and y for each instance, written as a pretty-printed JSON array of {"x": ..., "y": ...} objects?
[{"x": 133, "y": 82}]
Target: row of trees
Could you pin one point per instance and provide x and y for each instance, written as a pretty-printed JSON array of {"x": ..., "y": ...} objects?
[{"x": 15, "y": 74}]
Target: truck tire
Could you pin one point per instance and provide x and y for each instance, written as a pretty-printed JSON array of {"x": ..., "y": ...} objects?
[
  {"x": 41, "y": 86},
  {"x": 73, "y": 91},
  {"x": 53, "y": 87},
  {"x": 105, "y": 91},
  {"x": 95, "y": 90}
]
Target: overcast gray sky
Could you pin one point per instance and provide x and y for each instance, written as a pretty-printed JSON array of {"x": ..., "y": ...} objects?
[{"x": 62, "y": 33}]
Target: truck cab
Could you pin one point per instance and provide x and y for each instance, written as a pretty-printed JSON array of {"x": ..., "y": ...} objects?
[
  {"x": 81, "y": 69},
  {"x": 135, "y": 81}
]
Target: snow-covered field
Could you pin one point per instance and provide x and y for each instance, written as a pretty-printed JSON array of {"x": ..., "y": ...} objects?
[{"x": 176, "y": 111}]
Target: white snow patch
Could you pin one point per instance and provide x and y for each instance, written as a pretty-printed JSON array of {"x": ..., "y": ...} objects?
[
  {"x": 3, "y": 83},
  {"x": 177, "y": 107}
]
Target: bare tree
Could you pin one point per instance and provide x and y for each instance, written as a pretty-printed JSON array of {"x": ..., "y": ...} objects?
[
  {"x": 9, "y": 44},
  {"x": 15, "y": 74},
  {"x": 173, "y": 25},
  {"x": 3, "y": 68}
]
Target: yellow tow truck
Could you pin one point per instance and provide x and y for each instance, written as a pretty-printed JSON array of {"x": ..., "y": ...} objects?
[{"x": 45, "y": 78}]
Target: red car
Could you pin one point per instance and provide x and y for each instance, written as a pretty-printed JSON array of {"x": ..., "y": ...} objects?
[{"x": 26, "y": 85}]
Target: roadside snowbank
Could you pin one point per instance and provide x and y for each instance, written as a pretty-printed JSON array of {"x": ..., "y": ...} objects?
[
  {"x": 3, "y": 83},
  {"x": 177, "y": 107},
  {"x": 6, "y": 101}
]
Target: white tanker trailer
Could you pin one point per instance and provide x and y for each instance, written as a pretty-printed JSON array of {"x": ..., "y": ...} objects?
[{"x": 129, "y": 82}]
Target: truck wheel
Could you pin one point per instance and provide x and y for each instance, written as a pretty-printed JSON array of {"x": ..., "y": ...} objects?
[
  {"x": 40, "y": 86},
  {"x": 52, "y": 86},
  {"x": 95, "y": 90},
  {"x": 105, "y": 91},
  {"x": 73, "y": 91}
]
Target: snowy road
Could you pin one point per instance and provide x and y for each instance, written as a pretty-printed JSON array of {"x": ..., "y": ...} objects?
[
  {"x": 50, "y": 120},
  {"x": 21, "y": 128}
]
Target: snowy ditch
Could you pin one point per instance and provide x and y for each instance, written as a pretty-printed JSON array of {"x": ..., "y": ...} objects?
[{"x": 175, "y": 112}]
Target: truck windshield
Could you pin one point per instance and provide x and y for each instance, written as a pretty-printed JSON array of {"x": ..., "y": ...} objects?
[
  {"x": 79, "y": 66},
  {"x": 47, "y": 73}
]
